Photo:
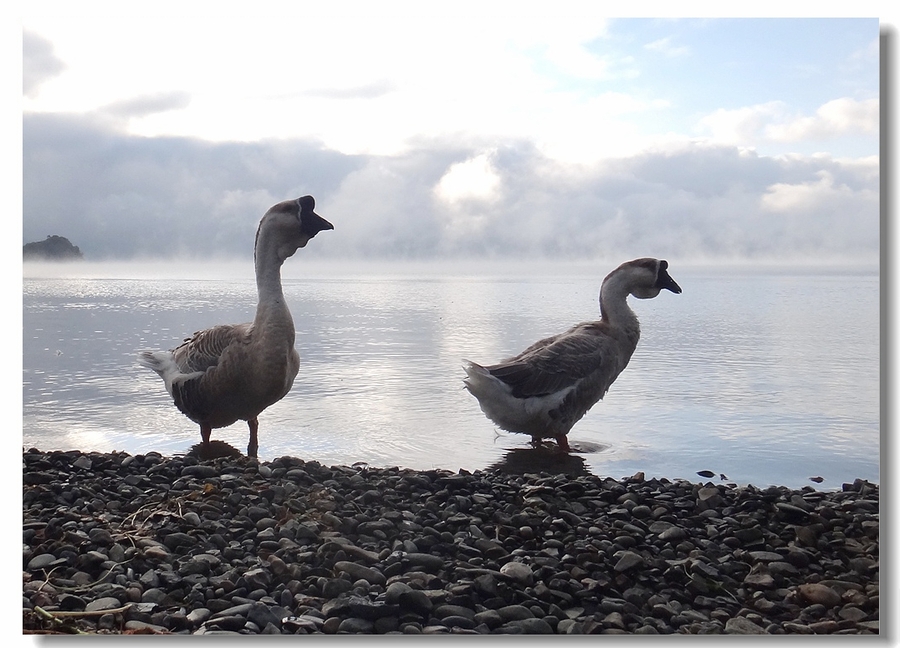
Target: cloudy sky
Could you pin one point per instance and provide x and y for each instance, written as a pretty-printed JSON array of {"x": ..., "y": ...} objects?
[{"x": 450, "y": 130}]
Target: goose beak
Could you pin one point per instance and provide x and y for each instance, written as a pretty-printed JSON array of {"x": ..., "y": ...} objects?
[
  {"x": 663, "y": 280},
  {"x": 312, "y": 224},
  {"x": 671, "y": 285}
]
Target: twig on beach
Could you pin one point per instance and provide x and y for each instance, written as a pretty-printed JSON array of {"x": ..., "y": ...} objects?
[
  {"x": 56, "y": 614},
  {"x": 86, "y": 586}
]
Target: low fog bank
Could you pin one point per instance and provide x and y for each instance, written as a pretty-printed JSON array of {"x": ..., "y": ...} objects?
[
  {"x": 296, "y": 269},
  {"x": 123, "y": 197}
]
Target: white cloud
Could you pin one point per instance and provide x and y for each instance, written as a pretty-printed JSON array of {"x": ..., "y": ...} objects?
[
  {"x": 143, "y": 105},
  {"x": 836, "y": 118},
  {"x": 773, "y": 121},
  {"x": 742, "y": 126},
  {"x": 572, "y": 59},
  {"x": 826, "y": 217},
  {"x": 808, "y": 196},
  {"x": 665, "y": 47},
  {"x": 867, "y": 54},
  {"x": 39, "y": 63},
  {"x": 474, "y": 179},
  {"x": 467, "y": 195}
]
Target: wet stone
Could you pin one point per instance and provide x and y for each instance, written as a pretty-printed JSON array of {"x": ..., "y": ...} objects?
[
  {"x": 628, "y": 560},
  {"x": 760, "y": 580},
  {"x": 530, "y": 626},
  {"x": 263, "y": 615},
  {"x": 41, "y": 561},
  {"x": 424, "y": 561},
  {"x": 852, "y": 613},
  {"x": 104, "y": 603},
  {"x": 141, "y": 627},
  {"x": 673, "y": 534},
  {"x": 457, "y": 621},
  {"x": 443, "y": 611},
  {"x": 791, "y": 511},
  {"x": 198, "y": 615},
  {"x": 515, "y": 613},
  {"x": 70, "y": 602},
  {"x": 518, "y": 572},
  {"x": 257, "y": 578},
  {"x": 366, "y": 609},
  {"x": 824, "y": 627},
  {"x": 490, "y": 618},
  {"x": 153, "y": 595},
  {"x": 100, "y": 536},
  {"x": 334, "y": 587},
  {"x": 818, "y": 593},
  {"x": 741, "y": 625},
  {"x": 232, "y": 622},
  {"x": 357, "y": 572},
  {"x": 156, "y": 553},
  {"x": 199, "y": 471},
  {"x": 748, "y": 536},
  {"x": 174, "y": 541}
]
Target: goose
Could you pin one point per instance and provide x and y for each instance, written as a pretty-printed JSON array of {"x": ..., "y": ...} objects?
[
  {"x": 548, "y": 387},
  {"x": 233, "y": 372}
]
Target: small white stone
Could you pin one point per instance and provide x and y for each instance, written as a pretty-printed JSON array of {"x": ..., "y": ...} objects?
[{"x": 518, "y": 571}]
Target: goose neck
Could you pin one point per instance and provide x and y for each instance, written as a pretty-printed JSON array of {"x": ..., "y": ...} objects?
[
  {"x": 614, "y": 306},
  {"x": 268, "y": 286}
]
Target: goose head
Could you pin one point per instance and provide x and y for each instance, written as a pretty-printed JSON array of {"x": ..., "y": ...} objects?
[
  {"x": 644, "y": 278},
  {"x": 291, "y": 224}
]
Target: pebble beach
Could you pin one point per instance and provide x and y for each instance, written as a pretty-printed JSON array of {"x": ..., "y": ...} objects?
[{"x": 115, "y": 543}]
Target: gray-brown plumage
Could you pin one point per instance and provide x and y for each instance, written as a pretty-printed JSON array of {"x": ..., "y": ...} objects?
[
  {"x": 233, "y": 372},
  {"x": 547, "y": 388}
]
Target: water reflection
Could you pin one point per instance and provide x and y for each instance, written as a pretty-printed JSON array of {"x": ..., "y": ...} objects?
[
  {"x": 545, "y": 456},
  {"x": 541, "y": 459},
  {"x": 214, "y": 450}
]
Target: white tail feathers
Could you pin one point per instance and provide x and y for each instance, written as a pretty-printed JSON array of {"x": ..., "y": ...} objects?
[
  {"x": 163, "y": 363},
  {"x": 478, "y": 380},
  {"x": 151, "y": 360}
]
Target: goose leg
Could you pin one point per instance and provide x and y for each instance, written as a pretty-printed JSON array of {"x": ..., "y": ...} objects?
[
  {"x": 563, "y": 442},
  {"x": 253, "y": 445},
  {"x": 205, "y": 431}
]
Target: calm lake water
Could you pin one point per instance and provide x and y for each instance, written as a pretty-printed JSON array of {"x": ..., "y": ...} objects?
[{"x": 764, "y": 376}]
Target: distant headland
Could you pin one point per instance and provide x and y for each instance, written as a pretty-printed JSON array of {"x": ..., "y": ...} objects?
[{"x": 53, "y": 248}]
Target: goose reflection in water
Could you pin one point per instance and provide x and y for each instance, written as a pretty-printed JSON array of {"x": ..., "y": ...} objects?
[
  {"x": 536, "y": 458},
  {"x": 215, "y": 449},
  {"x": 546, "y": 457}
]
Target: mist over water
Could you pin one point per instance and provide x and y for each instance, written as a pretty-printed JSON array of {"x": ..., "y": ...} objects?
[{"x": 751, "y": 373}]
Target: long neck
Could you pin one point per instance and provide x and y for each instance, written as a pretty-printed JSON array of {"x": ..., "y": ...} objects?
[
  {"x": 614, "y": 308},
  {"x": 272, "y": 308}
]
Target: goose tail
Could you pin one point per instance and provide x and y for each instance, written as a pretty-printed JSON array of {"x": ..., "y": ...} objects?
[
  {"x": 154, "y": 360},
  {"x": 163, "y": 363},
  {"x": 478, "y": 380}
]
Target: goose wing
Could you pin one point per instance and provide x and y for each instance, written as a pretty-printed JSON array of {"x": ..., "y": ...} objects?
[
  {"x": 554, "y": 363},
  {"x": 196, "y": 391},
  {"x": 203, "y": 350}
]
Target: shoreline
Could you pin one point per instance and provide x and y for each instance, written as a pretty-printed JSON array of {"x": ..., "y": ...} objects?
[{"x": 147, "y": 544}]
